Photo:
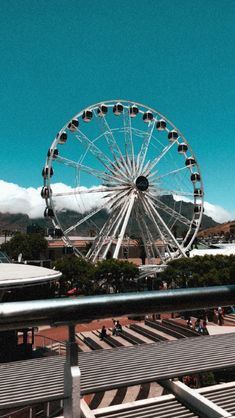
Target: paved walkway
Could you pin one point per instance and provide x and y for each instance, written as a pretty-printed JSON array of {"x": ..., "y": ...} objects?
[
  {"x": 223, "y": 329},
  {"x": 61, "y": 333}
]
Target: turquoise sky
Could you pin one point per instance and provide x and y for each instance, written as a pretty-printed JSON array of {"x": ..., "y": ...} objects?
[{"x": 177, "y": 56}]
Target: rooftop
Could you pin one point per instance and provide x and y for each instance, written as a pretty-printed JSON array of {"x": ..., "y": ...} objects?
[{"x": 14, "y": 274}]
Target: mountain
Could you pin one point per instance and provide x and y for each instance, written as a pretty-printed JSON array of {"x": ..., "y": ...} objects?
[
  {"x": 13, "y": 222},
  {"x": 220, "y": 229},
  {"x": 19, "y": 222}
]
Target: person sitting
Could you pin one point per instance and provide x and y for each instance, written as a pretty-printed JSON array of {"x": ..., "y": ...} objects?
[
  {"x": 189, "y": 323},
  {"x": 197, "y": 325},
  {"x": 118, "y": 328},
  {"x": 204, "y": 329},
  {"x": 103, "y": 333}
]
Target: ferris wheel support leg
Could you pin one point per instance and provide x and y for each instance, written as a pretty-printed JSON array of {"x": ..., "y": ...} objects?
[
  {"x": 106, "y": 230},
  {"x": 114, "y": 233},
  {"x": 121, "y": 235}
]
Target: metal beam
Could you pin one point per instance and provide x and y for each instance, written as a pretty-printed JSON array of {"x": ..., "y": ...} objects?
[
  {"x": 195, "y": 400},
  {"x": 38, "y": 380},
  {"x": 17, "y": 315}
]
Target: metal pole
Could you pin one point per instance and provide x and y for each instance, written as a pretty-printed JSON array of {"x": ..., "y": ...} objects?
[
  {"x": 72, "y": 377},
  {"x": 18, "y": 315}
]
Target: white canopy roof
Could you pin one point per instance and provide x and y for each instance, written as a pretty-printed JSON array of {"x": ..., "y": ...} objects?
[{"x": 12, "y": 275}]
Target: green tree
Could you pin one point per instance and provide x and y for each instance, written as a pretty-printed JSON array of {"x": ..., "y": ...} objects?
[
  {"x": 232, "y": 269},
  {"x": 200, "y": 271},
  {"x": 31, "y": 246},
  {"x": 77, "y": 272},
  {"x": 119, "y": 275}
]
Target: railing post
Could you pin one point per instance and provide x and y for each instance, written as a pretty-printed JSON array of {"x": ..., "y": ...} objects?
[
  {"x": 72, "y": 377},
  {"x": 48, "y": 410},
  {"x": 2, "y": 292}
]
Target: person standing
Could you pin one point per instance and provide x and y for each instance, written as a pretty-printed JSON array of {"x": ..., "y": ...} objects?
[{"x": 220, "y": 316}]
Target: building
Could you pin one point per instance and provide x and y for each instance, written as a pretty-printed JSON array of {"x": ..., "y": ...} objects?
[{"x": 131, "y": 250}]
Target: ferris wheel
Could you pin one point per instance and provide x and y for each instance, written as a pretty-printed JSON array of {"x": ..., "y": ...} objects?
[{"x": 121, "y": 173}]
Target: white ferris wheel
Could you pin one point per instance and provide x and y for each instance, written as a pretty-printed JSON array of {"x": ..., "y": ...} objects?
[{"x": 125, "y": 172}]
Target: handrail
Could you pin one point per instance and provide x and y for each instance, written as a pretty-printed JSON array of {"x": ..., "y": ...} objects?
[
  {"x": 51, "y": 340},
  {"x": 16, "y": 412},
  {"x": 52, "y": 344},
  {"x": 66, "y": 311}
]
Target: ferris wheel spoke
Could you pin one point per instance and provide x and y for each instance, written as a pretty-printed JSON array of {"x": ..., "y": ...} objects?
[
  {"x": 129, "y": 146},
  {"x": 152, "y": 240},
  {"x": 146, "y": 232},
  {"x": 88, "y": 216},
  {"x": 161, "y": 191},
  {"x": 178, "y": 170},
  {"x": 117, "y": 199},
  {"x": 85, "y": 191},
  {"x": 149, "y": 168},
  {"x": 177, "y": 216},
  {"x": 92, "y": 171},
  {"x": 117, "y": 205},
  {"x": 115, "y": 191},
  {"x": 108, "y": 232},
  {"x": 144, "y": 147},
  {"x": 117, "y": 220},
  {"x": 91, "y": 253},
  {"x": 94, "y": 150},
  {"x": 116, "y": 170},
  {"x": 117, "y": 202},
  {"x": 88, "y": 170},
  {"x": 124, "y": 225},
  {"x": 168, "y": 231},
  {"x": 145, "y": 169},
  {"x": 142, "y": 235},
  {"x": 112, "y": 143},
  {"x": 154, "y": 243},
  {"x": 99, "y": 242},
  {"x": 160, "y": 233},
  {"x": 131, "y": 164}
]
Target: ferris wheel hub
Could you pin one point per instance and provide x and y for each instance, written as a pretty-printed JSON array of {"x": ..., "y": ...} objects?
[{"x": 142, "y": 183}]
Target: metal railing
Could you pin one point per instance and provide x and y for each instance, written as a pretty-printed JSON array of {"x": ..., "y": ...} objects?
[
  {"x": 49, "y": 343},
  {"x": 48, "y": 411},
  {"x": 65, "y": 311},
  {"x": 18, "y": 315}
]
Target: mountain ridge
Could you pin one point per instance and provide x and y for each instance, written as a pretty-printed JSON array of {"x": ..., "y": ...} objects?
[{"x": 10, "y": 223}]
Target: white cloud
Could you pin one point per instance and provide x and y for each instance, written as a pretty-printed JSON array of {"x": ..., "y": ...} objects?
[
  {"x": 17, "y": 199},
  {"x": 81, "y": 203},
  {"x": 218, "y": 213}
]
